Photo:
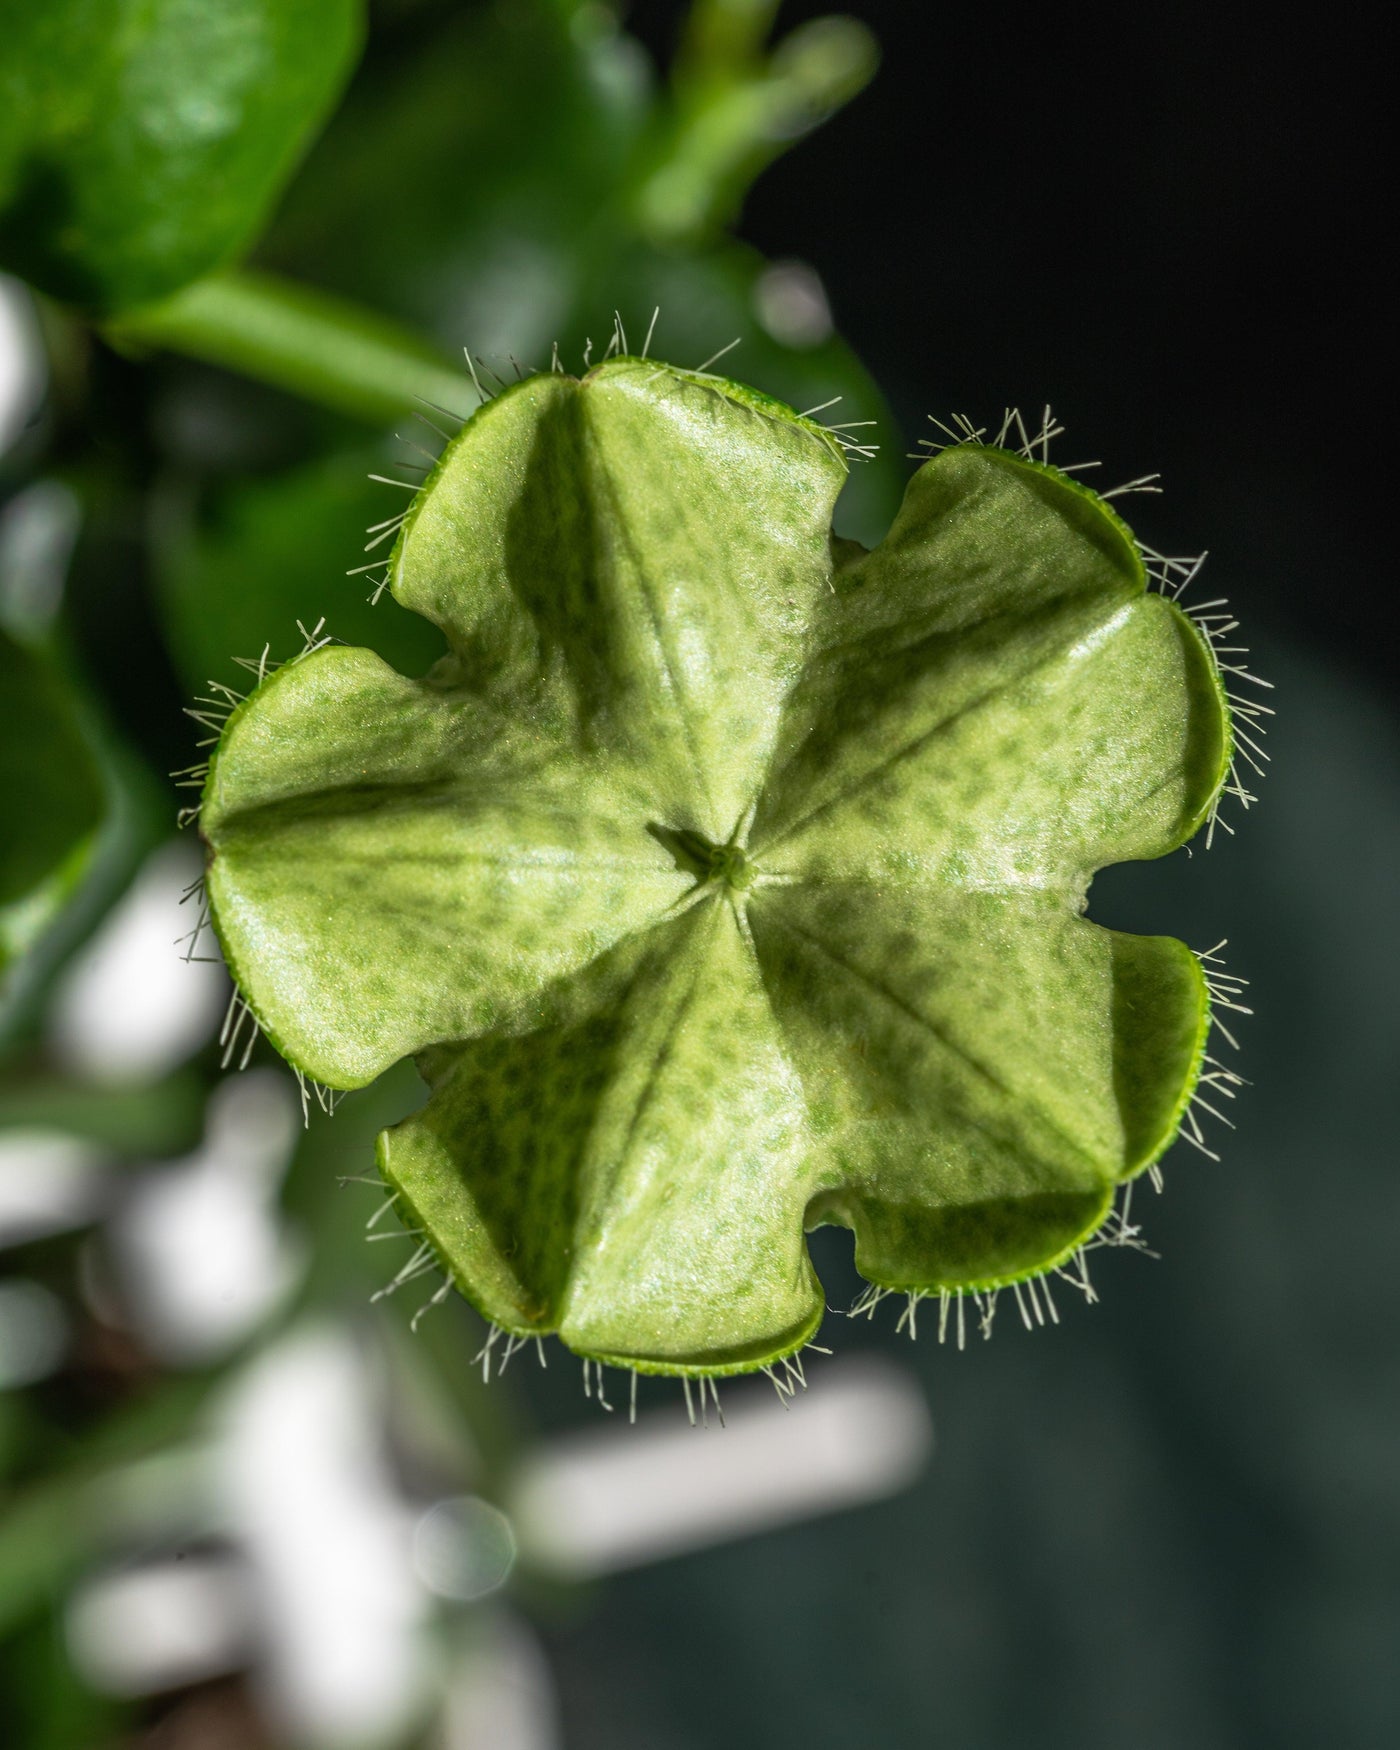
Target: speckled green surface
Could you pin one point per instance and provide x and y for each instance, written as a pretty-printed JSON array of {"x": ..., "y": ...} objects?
[{"x": 727, "y": 879}]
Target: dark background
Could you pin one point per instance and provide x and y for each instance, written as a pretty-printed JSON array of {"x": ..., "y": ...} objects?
[{"x": 1169, "y": 223}]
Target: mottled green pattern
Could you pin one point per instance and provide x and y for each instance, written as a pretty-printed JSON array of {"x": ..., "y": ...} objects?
[
  {"x": 640, "y": 555},
  {"x": 727, "y": 879}
]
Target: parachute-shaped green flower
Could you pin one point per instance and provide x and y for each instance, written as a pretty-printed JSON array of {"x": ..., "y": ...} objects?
[{"x": 727, "y": 879}]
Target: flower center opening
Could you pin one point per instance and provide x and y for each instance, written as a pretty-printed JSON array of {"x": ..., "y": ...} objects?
[{"x": 725, "y": 864}]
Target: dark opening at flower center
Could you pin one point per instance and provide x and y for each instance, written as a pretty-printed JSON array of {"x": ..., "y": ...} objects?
[{"x": 724, "y": 864}]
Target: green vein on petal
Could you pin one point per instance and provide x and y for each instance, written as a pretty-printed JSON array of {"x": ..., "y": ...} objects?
[
  {"x": 655, "y": 542},
  {"x": 635, "y": 1178},
  {"x": 395, "y": 864}
]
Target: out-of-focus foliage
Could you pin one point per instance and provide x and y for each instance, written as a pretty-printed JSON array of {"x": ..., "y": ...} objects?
[
  {"x": 482, "y": 182},
  {"x": 488, "y": 183},
  {"x": 231, "y": 560},
  {"x": 52, "y": 795},
  {"x": 142, "y": 141},
  {"x": 736, "y": 109}
]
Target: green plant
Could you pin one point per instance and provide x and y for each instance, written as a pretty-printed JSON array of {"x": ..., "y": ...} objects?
[
  {"x": 145, "y": 148},
  {"x": 794, "y": 833},
  {"x": 50, "y": 781},
  {"x": 142, "y": 146},
  {"x": 726, "y": 877},
  {"x": 808, "y": 826}
]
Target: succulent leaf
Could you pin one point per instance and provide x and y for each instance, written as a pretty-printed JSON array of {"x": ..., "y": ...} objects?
[{"x": 727, "y": 879}]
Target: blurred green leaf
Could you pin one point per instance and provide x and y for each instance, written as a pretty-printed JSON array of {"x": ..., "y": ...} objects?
[
  {"x": 50, "y": 794},
  {"x": 50, "y": 1529},
  {"x": 463, "y": 183},
  {"x": 239, "y": 565},
  {"x": 164, "y": 1119},
  {"x": 491, "y": 163},
  {"x": 142, "y": 141},
  {"x": 43, "y": 1708},
  {"x": 495, "y": 161}
]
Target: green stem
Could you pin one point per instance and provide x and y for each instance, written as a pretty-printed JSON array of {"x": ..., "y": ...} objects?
[
  {"x": 735, "y": 110},
  {"x": 323, "y": 348},
  {"x": 723, "y": 39}
]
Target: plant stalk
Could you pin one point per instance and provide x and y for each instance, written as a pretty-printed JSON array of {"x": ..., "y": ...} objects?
[{"x": 323, "y": 348}]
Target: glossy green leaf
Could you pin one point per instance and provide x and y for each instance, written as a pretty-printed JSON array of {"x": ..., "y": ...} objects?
[
  {"x": 485, "y": 161},
  {"x": 728, "y": 879},
  {"x": 50, "y": 794},
  {"x": 143, "y": 141}
]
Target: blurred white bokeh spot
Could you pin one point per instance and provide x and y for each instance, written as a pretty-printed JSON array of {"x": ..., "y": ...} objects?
[
  {"x": 130, "y": 1008},
  {"x": 789, "y": 301},
  {"x": 593, "y": 1502},
  {"x": 23, "y": 371},
  {"x": 200, "y": 1252},
  {"x": 500, "y": 1693},
  {"x": 463, "y": 1548},
  {"x": 38, "y": 531},
  {"x": 33, "y": 1333},
  {"x": 160, "y": 1626},
  {"x": 49, "y": 1182},
  {"x": 309, "y": 1497}
]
